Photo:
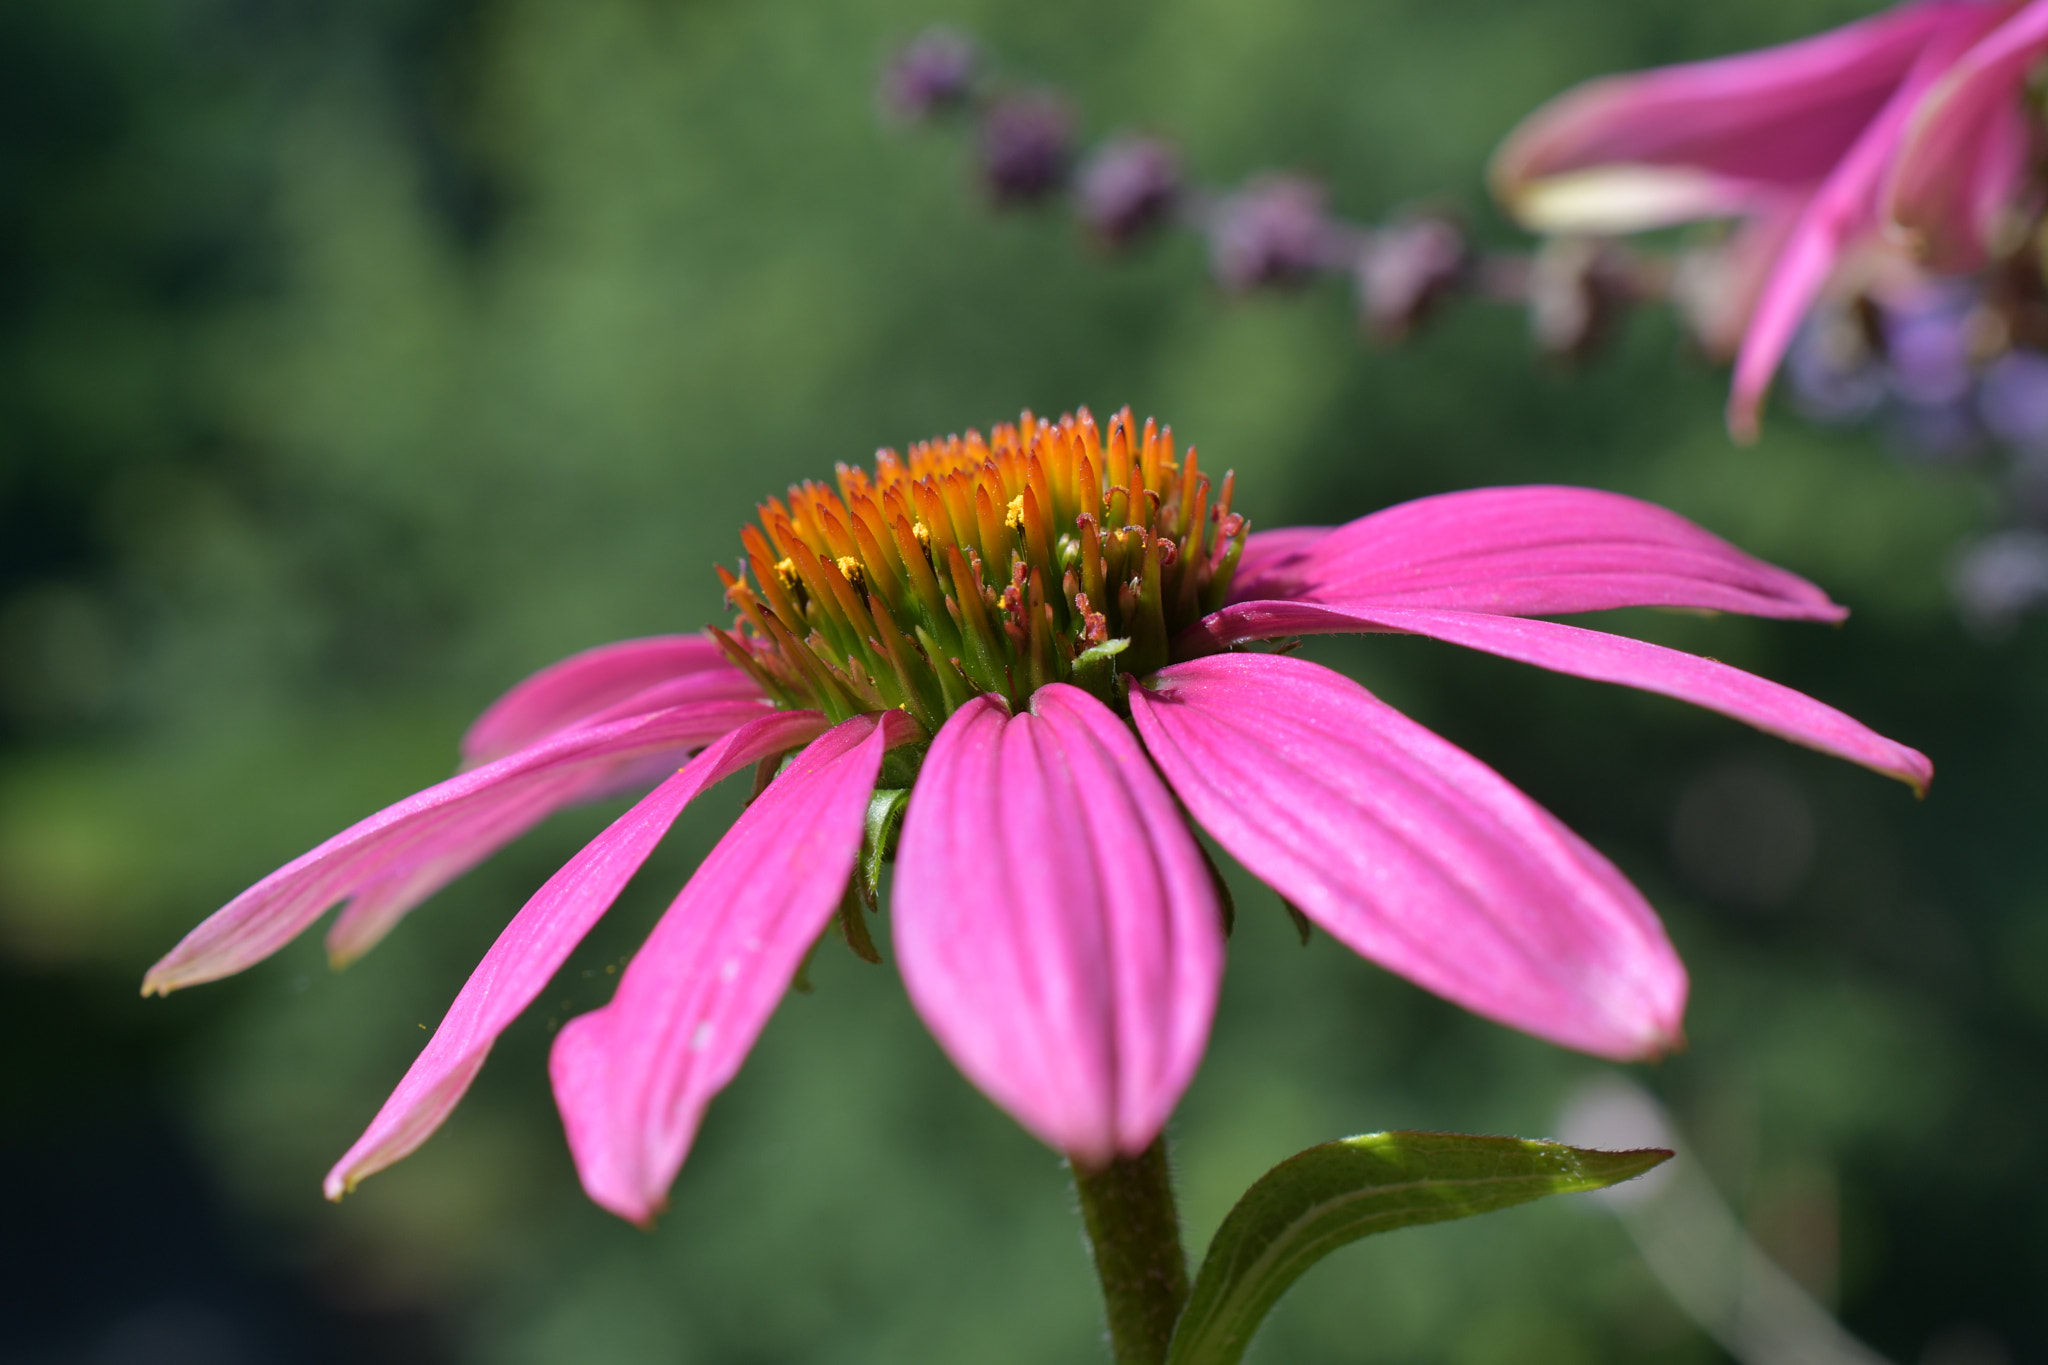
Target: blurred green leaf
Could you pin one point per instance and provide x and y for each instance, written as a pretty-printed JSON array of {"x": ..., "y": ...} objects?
[{"x": 1330, "y": 1196}]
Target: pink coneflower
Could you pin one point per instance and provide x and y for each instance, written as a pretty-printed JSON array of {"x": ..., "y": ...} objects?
[
  {"x": 1038, "y": 653},
  {"x": 1800, "y": 143}
]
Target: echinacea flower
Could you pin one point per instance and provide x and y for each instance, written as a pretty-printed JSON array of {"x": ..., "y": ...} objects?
[
  {"x": 1798, "y": 142},
  {"x": 1036, "y": 653}
]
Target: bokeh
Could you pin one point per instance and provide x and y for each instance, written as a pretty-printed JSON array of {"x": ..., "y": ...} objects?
[{"x": 358, "y": 358}]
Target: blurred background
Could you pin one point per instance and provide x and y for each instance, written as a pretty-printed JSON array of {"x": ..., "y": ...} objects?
[{"x": 358, "y": 359}]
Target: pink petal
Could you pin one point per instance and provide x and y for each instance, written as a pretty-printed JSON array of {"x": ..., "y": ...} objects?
[
  {"x": 440, "y": 824},
  {"x": 1780, "y": 117},
  {"x": 1413, "y": 853},
  {"x": 582, "y": 685},
  {"x": 538, "y": 941},
  {"x": 1056, "y": 923},
  {"x": 1966, "y": 150},
  {"x": 1586, "y": 654},
  {"x": 1543, "y": 551},
  {"x": 632, "y": 1079},
  {"x": 1843, "y": 208},
  {"x": 1263, "y": 568}
]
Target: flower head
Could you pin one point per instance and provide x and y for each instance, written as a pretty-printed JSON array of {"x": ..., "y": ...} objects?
[
  {"x": 934, "y": 73},
  {"x": 1019, "y": 666},
  {"x": 1275, "y": 231},
  {"x": 1127, "y": 187},
  {"x": 1801, "y": 143},
  {"x": 1027, "y": 145}
]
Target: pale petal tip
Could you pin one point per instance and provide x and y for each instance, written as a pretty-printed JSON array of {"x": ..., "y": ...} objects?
[
  {"x": 1665, "y": 1042},
  {"x": 1743, "y": 424},
  {"x": 162, "y": 979}
]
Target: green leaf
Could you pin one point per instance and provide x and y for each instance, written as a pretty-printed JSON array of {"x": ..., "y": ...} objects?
[
  {"x": 1329, "y": 1196},
  {"x": 878, "y": 838}
]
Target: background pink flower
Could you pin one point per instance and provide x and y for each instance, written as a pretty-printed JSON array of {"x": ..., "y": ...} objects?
[{"x": 1796, "y": 142}]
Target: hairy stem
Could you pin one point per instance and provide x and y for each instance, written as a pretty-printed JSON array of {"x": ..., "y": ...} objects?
[{"x": 1135, "y": 1231}]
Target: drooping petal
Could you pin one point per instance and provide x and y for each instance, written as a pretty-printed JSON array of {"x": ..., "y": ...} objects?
[
  {"x": 437, "y": 825},
  {"x": 1647, "y": 150},
  {"x": 1543, "y": 551},
  {"x": 1264, "y": 569},
  {"x": 538, "y": 941},
  {"x": 632, "y": 1079},
  {"x": 1592, "y": 654},
  {"x": 1966, "y": 148},
  {"x": 1413, "y": 853},
  {"x": 1842, "y": 209},
  {"x": 582, "y": 685},
  {"x": 1056, "y": 923}
]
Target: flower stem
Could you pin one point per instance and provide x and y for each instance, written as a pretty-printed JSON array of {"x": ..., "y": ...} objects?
[{"x": 1135, "y": 1231}]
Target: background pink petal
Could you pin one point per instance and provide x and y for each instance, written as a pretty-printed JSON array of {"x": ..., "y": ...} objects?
[
  {"x": 1966, "y": 147},
  {"x": 632, "y": 1079},
  {"x": 1844, "y": 207},
  {"x": 1538, "y": 551},
  {"x": 1589, "y": 654},
  {"x": 1413, "y": 853},
  {"x": 540, "y": 938},
  {"x": 582, "y": 685},
  {"x": 1782, "y": 116},
  {"x": 1056, "y": 923},
  {"x": 436, "y": 828}
]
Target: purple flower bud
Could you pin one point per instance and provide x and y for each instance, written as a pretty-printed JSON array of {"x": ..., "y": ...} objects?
[
  {"x": 1578, "y": 289},
  {"x": 2000, "y": 578},
  {"x": 1127, "y": 188},
  {"x": 2013, "y": 399},
  {"x": 1403, "y": 272},
  {"x": 1026, "y": 144},
  {"x": 1274, "y": 231},
  {"x": 933, "y": 73}
]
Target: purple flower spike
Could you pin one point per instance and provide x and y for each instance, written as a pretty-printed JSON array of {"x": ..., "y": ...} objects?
[
  {"x": 933, "y": 74},
  {"x": 1928, "y": 344},
  {"x": 1027, "y": 144},
  {"x": 2001, "y": 578},
  {"x": 1274, "y": 231},
  {"x": 2013, "y": 399},
  {"x": 1832, "y": 369},
  {"x": 1128, "y": 187}
]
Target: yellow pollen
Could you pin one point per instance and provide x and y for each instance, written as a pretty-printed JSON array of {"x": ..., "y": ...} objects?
[
  {"x": 922, "y": 533},
  {"x": 1014, "y": 518},
  {"x": 852, "y": 570},
  {"x": 785, "y": 569}
]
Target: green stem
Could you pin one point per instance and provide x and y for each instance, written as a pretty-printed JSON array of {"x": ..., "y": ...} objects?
[{"x": 1135, "y": 1230}]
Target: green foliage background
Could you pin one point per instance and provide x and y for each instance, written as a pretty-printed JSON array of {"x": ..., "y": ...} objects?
[{"x": 356, "y": 359}]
